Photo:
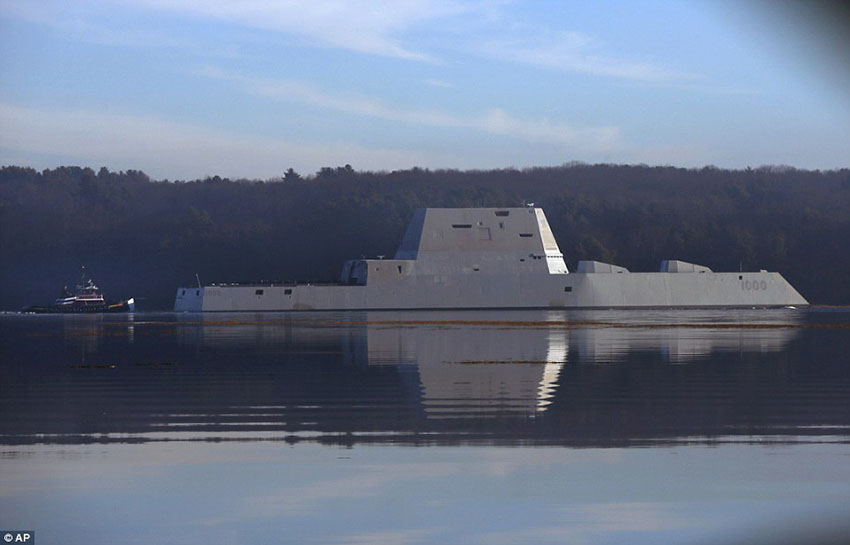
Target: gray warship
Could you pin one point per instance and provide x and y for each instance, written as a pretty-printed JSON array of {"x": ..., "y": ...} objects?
[{"x": 495, "y": 258}]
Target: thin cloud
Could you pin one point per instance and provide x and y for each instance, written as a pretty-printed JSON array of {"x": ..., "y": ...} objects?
[
  {"x": 494, "y": 121},
  {"x": 438, "y": 83},
  {"x": 85, "y": 29},
  {"x": 376, "y": 27},
  {"x": 579, "y": 53},
  {"x": 364, "y": 26},
  {"x": 389, "y": 537}
]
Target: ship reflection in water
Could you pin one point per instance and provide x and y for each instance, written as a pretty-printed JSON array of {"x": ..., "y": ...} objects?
[
  {"x": 594, "y": 377},
  {"x": 499, "y": 367},
  {"x": 530, "y": 427}
]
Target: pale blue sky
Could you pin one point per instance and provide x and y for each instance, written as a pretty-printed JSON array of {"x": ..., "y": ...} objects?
[{"x": 202, "y": 87}]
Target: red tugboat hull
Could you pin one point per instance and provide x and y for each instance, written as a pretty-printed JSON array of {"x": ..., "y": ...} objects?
[{"x": 128, "y": 305}]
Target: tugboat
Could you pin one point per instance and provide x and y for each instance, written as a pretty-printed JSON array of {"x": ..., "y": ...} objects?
[{"x": 86, "y": 298}]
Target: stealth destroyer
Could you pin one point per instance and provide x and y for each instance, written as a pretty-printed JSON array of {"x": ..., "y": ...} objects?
[{"x": 484, "y": 258}]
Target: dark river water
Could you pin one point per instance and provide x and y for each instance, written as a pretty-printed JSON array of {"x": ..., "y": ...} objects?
[{"x": 427, "y": 427}]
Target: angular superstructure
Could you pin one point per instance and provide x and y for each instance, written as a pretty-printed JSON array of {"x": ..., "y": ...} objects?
[{"x": 468, "y": 258}]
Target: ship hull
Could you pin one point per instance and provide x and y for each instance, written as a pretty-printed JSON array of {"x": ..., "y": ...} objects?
[{"x": 573, "y": 290}]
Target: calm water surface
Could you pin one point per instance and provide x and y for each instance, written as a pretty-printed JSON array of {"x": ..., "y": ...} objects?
[{"x": 427, "y": 427}]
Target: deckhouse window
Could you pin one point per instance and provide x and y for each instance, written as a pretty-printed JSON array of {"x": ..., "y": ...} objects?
[
  {"x": 502, "y": 213},
  {"x": 258, "y": 292},
  {"x": 287, "y": 292},
  {"x": 526, "y": 235},
  {"x": 462, "y": 225}
]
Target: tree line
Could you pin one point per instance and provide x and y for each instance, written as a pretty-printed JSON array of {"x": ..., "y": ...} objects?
[{"x": 144, "y": 237}]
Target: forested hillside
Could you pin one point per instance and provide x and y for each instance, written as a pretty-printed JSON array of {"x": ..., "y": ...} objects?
[{"x": 144, "y": 238}]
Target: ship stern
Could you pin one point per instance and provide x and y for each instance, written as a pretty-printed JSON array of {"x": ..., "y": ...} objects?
[{"x": 189, "y": 300}]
